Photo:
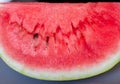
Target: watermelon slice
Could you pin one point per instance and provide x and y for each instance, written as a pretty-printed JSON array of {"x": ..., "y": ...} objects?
[{"x": 60, "y": 41}]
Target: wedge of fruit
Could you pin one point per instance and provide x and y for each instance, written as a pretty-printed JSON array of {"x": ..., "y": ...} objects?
[{"x": 60, "y": 41}]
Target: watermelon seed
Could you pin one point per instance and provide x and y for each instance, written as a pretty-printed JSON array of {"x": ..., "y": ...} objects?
[
  {"x": 47, "y": 40},
  {"x": 35, "y": 36}
]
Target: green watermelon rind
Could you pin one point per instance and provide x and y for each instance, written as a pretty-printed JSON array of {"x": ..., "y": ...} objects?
[{"x": 62, "y": 76}]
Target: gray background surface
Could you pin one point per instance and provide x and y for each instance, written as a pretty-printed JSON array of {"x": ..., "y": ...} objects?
[{"x": 9, "y": 76}]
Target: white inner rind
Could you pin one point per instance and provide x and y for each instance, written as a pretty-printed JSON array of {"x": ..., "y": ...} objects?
[{"x": 61, "y": 75}]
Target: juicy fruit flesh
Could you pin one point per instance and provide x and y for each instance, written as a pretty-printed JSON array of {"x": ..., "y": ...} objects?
[{"x": 51, "y": 37}]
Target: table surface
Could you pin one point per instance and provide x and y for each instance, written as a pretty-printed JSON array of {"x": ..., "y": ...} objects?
[{"x": 9, "y": 76}]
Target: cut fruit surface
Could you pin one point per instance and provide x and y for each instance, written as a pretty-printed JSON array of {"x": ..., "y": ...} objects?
[{"x": 45, "y": 41}]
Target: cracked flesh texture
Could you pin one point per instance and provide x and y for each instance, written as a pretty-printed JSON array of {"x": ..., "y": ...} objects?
[{"x": 47, "y": 36}]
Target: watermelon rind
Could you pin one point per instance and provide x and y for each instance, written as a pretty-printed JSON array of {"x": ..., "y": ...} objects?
[{"x": 74, "y": 74}]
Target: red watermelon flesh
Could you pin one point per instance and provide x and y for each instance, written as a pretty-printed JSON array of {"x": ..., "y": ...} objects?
[{"x": 60, "y": 36}]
